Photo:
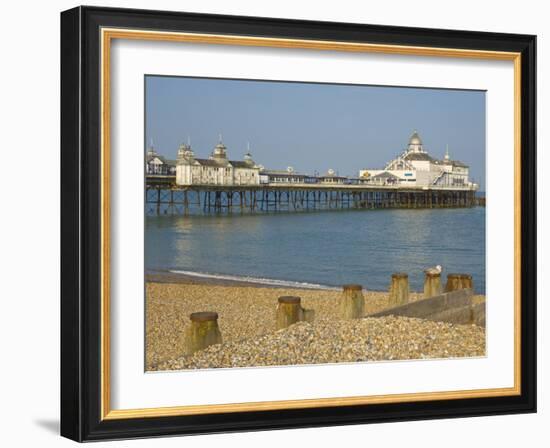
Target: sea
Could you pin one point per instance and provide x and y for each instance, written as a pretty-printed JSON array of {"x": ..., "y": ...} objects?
[{"x": 323, "y": 249}]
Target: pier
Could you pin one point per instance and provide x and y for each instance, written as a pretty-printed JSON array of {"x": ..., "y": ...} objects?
[{"x": 164, "y": 196}]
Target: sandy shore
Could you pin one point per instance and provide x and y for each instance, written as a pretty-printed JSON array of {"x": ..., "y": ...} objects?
[{"x": 247, "y": 314}]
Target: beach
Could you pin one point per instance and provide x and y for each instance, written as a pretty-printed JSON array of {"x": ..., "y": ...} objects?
[{"x": 247, "y": 323}]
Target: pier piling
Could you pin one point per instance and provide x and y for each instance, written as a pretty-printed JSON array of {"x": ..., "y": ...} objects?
[
  {"x": 203, "y": 331},
  {"x": 399, "y": 289},
  {"x": 352, "y": 302},
  {"x": 432, "y": 284},
  {"x": 164, "y": 195}
]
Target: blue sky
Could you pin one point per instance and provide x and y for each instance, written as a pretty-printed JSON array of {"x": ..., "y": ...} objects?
[{"x": 314, "y": 127}]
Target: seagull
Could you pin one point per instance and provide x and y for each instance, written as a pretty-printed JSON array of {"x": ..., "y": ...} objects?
[{"x": 433, "y": 270}]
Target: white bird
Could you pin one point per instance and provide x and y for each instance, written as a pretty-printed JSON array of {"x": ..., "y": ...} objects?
[{"x": 434, "y": 270}]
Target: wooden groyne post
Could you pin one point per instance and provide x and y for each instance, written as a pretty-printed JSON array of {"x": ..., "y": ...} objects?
[
  {"x": 352, "y": 302},
  {"x": 458, "y": 281},
  {"x": 432, "y": 284},
  {"x": 203, "y": 331},
  {"x": 290, "y": 311},
  {"x": 399, "y": 289}
]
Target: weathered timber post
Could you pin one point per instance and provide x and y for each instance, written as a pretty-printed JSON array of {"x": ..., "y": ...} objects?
[
  {"x": 454, "y": 282},
  {"x": 289, "y": 311},
  {"x": 399, "y": 289},
  {"x": 458, "y": 281},
  {"x": 203, "y": 331},
  {"x": 352, "y": 302},
  {"x": 432, "y": 284},
  {"x": 467, "y": 281}
]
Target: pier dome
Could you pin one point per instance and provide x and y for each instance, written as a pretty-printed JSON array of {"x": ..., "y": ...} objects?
[
  {"x": 220, "y": 151},
  {"x": 248, "y": 159},
  {"x": 185, "y": 151},
  {"x": 415, "y": 139},
  {"x": 415, "y": 143}
]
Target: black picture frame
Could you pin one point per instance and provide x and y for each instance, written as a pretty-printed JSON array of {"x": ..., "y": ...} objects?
[{"x": 81, "y": 224}]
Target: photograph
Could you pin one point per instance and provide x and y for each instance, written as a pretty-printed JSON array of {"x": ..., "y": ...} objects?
[
  {"x": 298, "y": 223},
  {"x": 274, "y": 221}
]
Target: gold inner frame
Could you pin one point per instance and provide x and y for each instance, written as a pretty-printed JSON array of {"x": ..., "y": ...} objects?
[{"x": 107, "y": 35}]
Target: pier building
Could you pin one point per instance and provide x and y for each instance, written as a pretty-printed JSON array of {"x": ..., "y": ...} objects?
[
  {"x": 216, "y": 170},
  {"x": 414, "y": 179},
  {"x": 155, "y": 164},
  {"x": 332, "y": 178},
  {"x": 416, "y": 167},
  {"x": 288, "y": 176}
]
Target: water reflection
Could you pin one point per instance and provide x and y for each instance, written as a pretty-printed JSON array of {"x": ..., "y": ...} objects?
[{"x": 327, "y": 247}]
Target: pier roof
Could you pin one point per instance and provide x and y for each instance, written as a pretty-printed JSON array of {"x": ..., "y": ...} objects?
[
  {"x": 219, "y": 163},
  {"x": 332, "y": 176},
  {"x": 459, "y": 164},
  {"x": 151, "y": 156},
  {"x": 385, "y": 175},
  {"x": 241, "y": 164},
  {"x": 418, "y": 156},
  {"x": 283, "y": 173},
  {"x": 451, "y": 162},
  {"x": 213, "y": 162}
]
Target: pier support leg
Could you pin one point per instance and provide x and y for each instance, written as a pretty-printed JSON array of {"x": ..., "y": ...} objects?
[
  {"x": 185, "y": 202},
  {"x": 158, "y": 200}
]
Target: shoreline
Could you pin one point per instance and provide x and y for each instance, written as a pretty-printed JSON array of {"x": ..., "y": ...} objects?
[{"x": 171, "y": 276}]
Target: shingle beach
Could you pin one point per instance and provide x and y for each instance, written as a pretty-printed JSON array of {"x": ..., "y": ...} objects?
[{"x": 247, "y": 323}]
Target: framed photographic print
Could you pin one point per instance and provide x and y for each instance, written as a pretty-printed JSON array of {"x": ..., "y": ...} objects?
[{"x": 273, "y": 223}]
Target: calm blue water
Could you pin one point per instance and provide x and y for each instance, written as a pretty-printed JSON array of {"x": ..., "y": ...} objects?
[{"x": 327, "y": 248}]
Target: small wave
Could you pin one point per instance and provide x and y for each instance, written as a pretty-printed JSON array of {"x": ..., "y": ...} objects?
[{"x": 257, "y": 280}]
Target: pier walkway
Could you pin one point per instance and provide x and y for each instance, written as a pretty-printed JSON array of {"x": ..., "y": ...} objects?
[{"x": 164, "y": 195}]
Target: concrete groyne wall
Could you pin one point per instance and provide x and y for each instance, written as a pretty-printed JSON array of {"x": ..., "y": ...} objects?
[{"x": 454, "y": 307}]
